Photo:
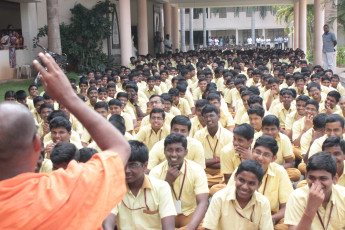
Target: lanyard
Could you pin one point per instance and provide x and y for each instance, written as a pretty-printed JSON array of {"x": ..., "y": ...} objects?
[
  {"x": 215, "y": 147},
  {"x": 251, "y": 215},
  {"x": 133, "y": 209},
  {"x": 329, "y": 218},
  {"x": 263, "y": 193},
  {"x": 184, "y": 177}
]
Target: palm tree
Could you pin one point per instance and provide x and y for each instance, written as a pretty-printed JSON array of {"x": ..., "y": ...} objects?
[{"x": 54, "y": 40}]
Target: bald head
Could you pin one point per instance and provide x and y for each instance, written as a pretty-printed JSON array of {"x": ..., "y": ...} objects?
[{"x": 17, "y": 129}]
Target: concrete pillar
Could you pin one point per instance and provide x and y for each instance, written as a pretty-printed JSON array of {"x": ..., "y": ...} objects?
[
  {"x": 174, "y": 31},
  {"x": 263, "y": 33},
  {"x": 204, "y": 27},
  {"x": 54, "y": 40},
  {"x": 318, "y": 31},
  {"x": 125, "y": 31},
  {"x": 296, "y": 25},
  {"x": 303, "y": 25},
  {"x": 191, "y": 29},
  {"x": 183, "y": 29},
  {"x": 143, "y": 43},
  {"x": 236, "y": 36},
  {"x": 28, "y": 18},
  {"x": 167, "y": 19}
]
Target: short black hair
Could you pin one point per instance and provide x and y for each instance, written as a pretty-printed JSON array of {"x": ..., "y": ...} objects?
[
  {"x": 319, "y": 121},
  {"x": 158, "y": 110},
  {"x": 254, "y": 99},
  {"x": 101, "y": 104},
  {"x": 118, "y": 122},
  {"x": 60, "y": 122},
  {"x": 322, "y": 161},
  {"x": 85, "y": 154},
  {"x": 334, "y": 94},
  {"x": 181, "y": 120},
  {"x": 175, "y": 138},
  {"x": 253, "y": 167},
  {"x": 256, "y": 109},
  {"x": 208, "y": 108},
  {"x": 270, "y": 120},
  {"x": 115, "y": 102},
  {"x": 139, "y": 152},
  {"x": 313, "y": 102},
  {"x": 64, "y": 152},
  {"x": 245, "y": 130},
  {"x": 268, "y": 142},
  {"x": 335, "y": 118},
  {"x": 334, "y": 141}
]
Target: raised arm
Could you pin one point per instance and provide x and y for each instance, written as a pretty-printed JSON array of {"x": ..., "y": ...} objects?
[{"x": 56, "y": 84}]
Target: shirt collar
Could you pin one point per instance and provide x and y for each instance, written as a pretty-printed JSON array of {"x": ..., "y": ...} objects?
[
  {"x": 270, "y": 170},
  {"x": 231, "y": 196},
  {"x": 146, "y": 184},
  {"x": 217, "y": 133}
]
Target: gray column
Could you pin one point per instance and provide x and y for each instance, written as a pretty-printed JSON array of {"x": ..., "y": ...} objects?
[
  {"x": 296, "y": 25},
  {"x": 303, "y": 25},
  {"x": 204, "y": 27},
  {"x": 318, "y": 31},
  {"x": 191, "y": 29},
  {"x": 183, "y": 30}
]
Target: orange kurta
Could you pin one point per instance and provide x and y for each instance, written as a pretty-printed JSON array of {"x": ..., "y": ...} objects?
[{"x": 79, "y": 197}]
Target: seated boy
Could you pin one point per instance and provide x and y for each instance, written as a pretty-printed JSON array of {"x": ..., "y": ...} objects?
[
  {"x": 319, "y": 205},
  {"x": 256, "y": 113},
  {"x": 62, "y": 154},
  {"x": 156, "y": 131},
  {"x": 180, "y": 103},
  {"x": 115, "y": 107},
  {"x": 43, "y": 126},
  {"x": 213, "y": 138},
  {"x": 270, "y": 126},
  {"x": 187, "y": 181},
  {"x": 330, "y": 105},
  {"x": 37, "y": 101},
  {"x": 168, "y": 102},
  {"x": 180, "y": 124},
  {"x": 146, "y": 205},
  {"x": 225, "y": 119},
  {"x": 241, "y": 206},
  {"x": 198, "y": 122}
]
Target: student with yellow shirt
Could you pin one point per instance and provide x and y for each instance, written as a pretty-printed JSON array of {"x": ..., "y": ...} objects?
[
  {"x": 234, "y": 95},
  {"x": 180, "y": 124},
  {"x": 187, "y": 180},
  {"x": 334, "y": 127},
  {"x": 137, "y": 104},
  {"x": 302, "y": 126},
  {"x": 198, "y": 122},
  {"x": 270, "y": 126},
  {"x": 234, "y": 153},
  {"x": 102, "y": 94},
  {"x": 342, "y": 105},
  {"x": 43, "y": 127},
  {"x": 168, "y": 102},
  {"x": 300, "y": 84},
  {"x": 335, "y": 80},
  {"x": 314, "y": 91},
  {"x": 37, "y": 101},
  {"x": 180, "y": 103},
  {"x": 151, "y": 88},
  {"x": 157, "y": 101},
  {"x": 197, "y": 93},
  {"x": 336, "y": 147},
  {"x": 273, "y": 93},
  {"x": 240, "y": 116},
  {"x": 156, "y": 131},
  {"x": 331, "y": 103},
  {"x": 318, "y": 205},
  {"x": 92, "y": 95},
  {"x": 123, "y": 97},
  {"x": 146, "y": 204},
  {"x": 213, "y": 138},
  {"x": 182, "y": 87},
  {"x": 62, "y": 154},
  {"x": 115, "y": 107},
  {"x": 256, "y": 113},
  {"x": 283, "y": 109},
  {"x": 294, "y": 116},
  {"x": 226, "y": 119},
  {"x": 241, "y": 206}
]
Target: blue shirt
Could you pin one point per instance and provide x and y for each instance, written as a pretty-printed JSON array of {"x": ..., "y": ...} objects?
[{"x": 328, "y": 42}]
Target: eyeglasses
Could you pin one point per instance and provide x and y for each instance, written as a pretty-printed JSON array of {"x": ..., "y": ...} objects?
[
  {"x": 134, "y": 165},
  {"x": 210, "y": 116},
  {"x": 265, "y": 155},
  {"x": 155, "y": 102},
  {"x": 157, "y": 118}
]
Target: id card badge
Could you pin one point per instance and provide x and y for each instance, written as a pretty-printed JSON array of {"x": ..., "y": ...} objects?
[{"x": 178, "y": 206}]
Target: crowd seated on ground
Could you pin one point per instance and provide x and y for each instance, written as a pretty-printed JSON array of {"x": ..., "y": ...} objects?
[{"x": 250, "y": 138}]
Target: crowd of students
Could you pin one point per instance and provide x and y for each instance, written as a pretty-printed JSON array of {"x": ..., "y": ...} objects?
[{"x": 219, "y": 139}]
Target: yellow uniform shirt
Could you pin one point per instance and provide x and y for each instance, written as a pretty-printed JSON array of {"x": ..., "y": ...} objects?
[
  {"x": 336, "y": 109},
  {"x": 88, "y": 103},
  {"x": 76, "y": 144},
  {"x": 128, "y": 136},
  {"x": 130, "y": 111},
  {"x": 184, "y": 107},
  {"x": 175, "y": 111},
  {"x": 266, "y": 96},
  {"x": 156, "y": 90},
  {"x": 232, "y": 97},
  {"x": 195, "y": 153},
  {"x": 317, "y": 145},
  {"x": 145, "y": 210},
  {"x": 224, "y": 208},
  {"x": 189, "y": 98},
  {"x": 276, "y": 186},
  {"x": 284, "y": 147},
  {"x": 76, "y": 125},
  {"x": 30, "y": 103},
  {"x": 229, "y": 160},
  {"x": 226, "y": 119},
  {"x": 168, "y": 117},
  {"x": 305, "y": 141},
  {"x": 290, "y": 119},
  {"x": 340, "y": 89},
  {"x": 240, "y": 116},
  {"x": 196, "y": 126},
  {"x": 297, "y": 203},
  {"x": 150, "y": 137},
  {"x": 197, "y": 94},
  {"x": 213, "y": 145},
  {"x": 297, "y": 128},
  {"x": 142, "y": 104},
  {"x": 195, "y": 183},
  {"x": 37, "y": 116},
  {"x": 282, "y": 113},
  {"x": 341, "y": 180}
]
